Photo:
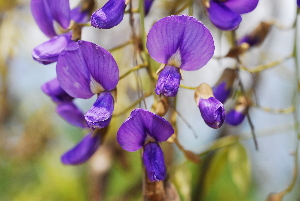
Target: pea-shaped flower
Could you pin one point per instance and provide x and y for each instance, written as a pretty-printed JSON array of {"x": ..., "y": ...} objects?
[
  {"x": 223, "y": 87},
  {"x": 65, "y": 105},
  {"x": 85, "y": 69},
  {"x": 178, "y": 42},
  {"x": 46, "y": 13},
  {"x": 211, "y": 109},
  {"x": 226, "y": 14},
  {"x": 237, "y": 115},
  {"x": 110, "y": 15},
  {"x": 144, "y": 129}
]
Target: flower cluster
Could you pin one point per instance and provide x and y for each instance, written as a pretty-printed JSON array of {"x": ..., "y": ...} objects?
[{"x": 85, "y": 69}]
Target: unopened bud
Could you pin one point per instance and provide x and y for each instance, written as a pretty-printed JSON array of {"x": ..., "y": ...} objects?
[
  {"x": 211, "y": 109},
  {"x": 161, "y": 106},
  {"x": 274, "y": 197},
  {"x": 236, "y": 116},
  {"x": 223, "y": 87}
]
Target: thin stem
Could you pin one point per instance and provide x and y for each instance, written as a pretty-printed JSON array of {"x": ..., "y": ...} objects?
[
  {"x": 187, "y": 87},
  {"x": 121, "y": 46},
  {"x": 115, "y": 114},
  {"x": 135, "y": 68},
  {"x": 272, "y": 110},
  {"x": 260, "y": 68}
]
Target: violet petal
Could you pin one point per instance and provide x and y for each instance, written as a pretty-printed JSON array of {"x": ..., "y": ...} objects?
[
  {"x": 182, "y": 37},
  {"x": 132, "y": 134},
  {"x": 48, "y": 52},
  {"x": 72, "y": 72},
  {"x": 60, "y": 10},
  {"x": 241, "y": 6},
  {"x": 212, "y": 112},
  {"x": 153, "y": 159},
  {"x": 223, "y": 17},
  {"x": 298, "y": 3},
  {"x": 79, "y": 16},
  {"x": 234, "y": 117},
  {"x": 82, "y": 151},
  {"x": 71, "y": 114},
  {"x": 42, "y": 15},
  {"x": 54, "y": 90},
  {"x": 101, "y": 64},
  {"x": 168, "y": 82},
  {"x": 100, "y": 113},
  {"x": 221, "y": 92},
  {"x": 155, "y": 126},
  {"x": 148, "y": 4},
  {"x": 110, "y": 15}
]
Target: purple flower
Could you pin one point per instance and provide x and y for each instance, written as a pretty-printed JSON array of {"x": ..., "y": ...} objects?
[
  {"x": 45, "y": 13},
  {"x": 179, "y": 42},
  {"x": 110, "y": 15},
  {"x": 47, "y": 52},
  {"x": 65, "y": 106},
  {"x": 83, "y": 150},
  {"x": 236, "y": 116},
  {"x": 144, "y": 129},
  {"x": 84, "y": 69},
  {"x": 148, "y": 4},
  {"x": 298, "y": 3},
  {"x": 226, "y": 15},
  {"x": 257, "y": 36},
  {"x": 211, "y": 109},
  {"x": 223, "y": 87}
]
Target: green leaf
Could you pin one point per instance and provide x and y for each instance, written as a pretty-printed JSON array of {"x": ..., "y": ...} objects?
[{"x": 239, "y": 167}]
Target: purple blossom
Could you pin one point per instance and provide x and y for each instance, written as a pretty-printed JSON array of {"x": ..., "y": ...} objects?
[
  {"x": 180, "y": 42},
  {"x": 234, "y": 117},
  {"x": 47, "y": 52},
  {"x": 148, "y": 4},
  {"x": 226, "y": 15},
  {"x": 144, "y": 129},
  {"x": 110, "y": 15},
  {"x": 211, "y": 109},
  {"x": 65, "y": 106},
  {"x": 223, "y": 87},
  {"x": 83, "y": 150},
  {"x": 84, "y": 69},
  {"x": 298, "y": 3},
  {"x": 46, "y": 13}
]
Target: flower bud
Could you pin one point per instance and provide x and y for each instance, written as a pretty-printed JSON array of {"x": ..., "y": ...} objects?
[
  {"x": 161, "y": 106},
  {"x": 168, "y": 81},
  {"x": 257, "y": 36},
  {"x": 148, "y": 4},
  {"x": 223, "y": 87},
  {"x": 110, "y": 15},
  {"x": 211, "y": 109},
  {"x": 48, "y": 52},
  {"x": 237, "y": 115}
]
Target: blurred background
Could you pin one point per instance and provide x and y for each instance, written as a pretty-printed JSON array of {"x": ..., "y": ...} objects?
[{"x": 33, "y": 136}]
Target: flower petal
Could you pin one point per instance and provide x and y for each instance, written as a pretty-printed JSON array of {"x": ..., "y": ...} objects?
[
  {"x": 183, "y": 35},
  {"x": 221, "y": 92},
  {"x": 212, "y": 112},
  {"x": 42, "y": 15},
  {"x": 69, "y": 112},
  {"x": 60, "y": 10},
  {"x": 132, "y": 134},
  {"x": 100, "y": 113},
  {"x": 79, "y": 16},
  {"x": 155, "y": 126},
  {"x": 110, "y": 15},
  {"x": 48, "y": 52},
  {"x": 153, "y": 159},
  {"x": 223, "y": 17},
  {"x": 241, "y": 6},
  {"x": 234, "y": 117},
  {"x": 168, "y": 82},
  {"x": 54, "y": 90},
  {"x": 101, "y": 64},
  {"x": 82, "y": 151},
  {"x": 148, "y": 4},
  {"x": 72, "y": 72}
]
